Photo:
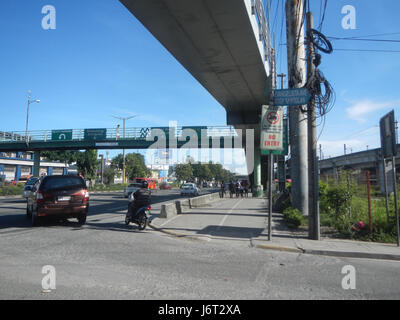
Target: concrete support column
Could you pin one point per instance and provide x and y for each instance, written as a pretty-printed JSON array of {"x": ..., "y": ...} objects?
[
  {"x": 257, "y": 187},
  {"x": 36, "y": 164},
  {"x": 18, "y": 173}
]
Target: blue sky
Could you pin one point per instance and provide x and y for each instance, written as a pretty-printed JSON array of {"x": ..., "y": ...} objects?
[
  {"x": 365, "y": 82},
  {"x": 100, "y": 61}
]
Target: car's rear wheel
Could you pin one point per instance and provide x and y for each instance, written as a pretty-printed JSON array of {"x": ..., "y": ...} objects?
[
  {"x": 35, "y": 219},
  {"x": 82, "y": 219},
  {"x": 28, "y": 212}
]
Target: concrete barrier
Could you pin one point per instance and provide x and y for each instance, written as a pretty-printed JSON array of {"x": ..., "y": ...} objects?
[
  {"x": 182, "y": 206},
  {"x": 168, "y": 210},
  {"x": 203, "y": 200}
]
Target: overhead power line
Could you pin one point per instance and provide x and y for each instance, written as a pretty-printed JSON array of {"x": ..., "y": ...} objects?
[
  {"x": 360, "y": 39},
  {"x": 369, "y": 50},
  {"x": 323, "y": 17},
  {"x": 375, "y": 35}
]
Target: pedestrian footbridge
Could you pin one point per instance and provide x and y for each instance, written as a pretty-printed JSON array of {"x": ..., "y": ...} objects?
[{"x": 132, "y": 138}]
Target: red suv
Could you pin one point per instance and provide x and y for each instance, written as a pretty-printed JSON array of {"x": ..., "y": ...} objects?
[{"x": 60, "y": 197}]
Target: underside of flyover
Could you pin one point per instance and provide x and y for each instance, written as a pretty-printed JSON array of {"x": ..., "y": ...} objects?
[{"x": 216, "y": 42}]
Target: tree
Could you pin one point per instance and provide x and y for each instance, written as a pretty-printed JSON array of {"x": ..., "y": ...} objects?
[
  {"x": 135, "y": 165},
  {"x": 117, "y": 162},
  {"x": 201, "y": 171},
  {"x": 108, "y": 175},
  {"x": 183, "y": 172},
  {"x": 87, "y": 163},
  {"x": 216, "y": 171},
  {"x": 65, "y": 156}
]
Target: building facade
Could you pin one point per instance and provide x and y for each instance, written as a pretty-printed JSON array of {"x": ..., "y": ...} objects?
[{"x": 19, "y": 166}]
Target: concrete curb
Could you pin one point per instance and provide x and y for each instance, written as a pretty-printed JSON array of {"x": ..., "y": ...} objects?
[
  {"x": 12, "y": 197},
  {"x": 279, "y": 248},
  {"x": 332, "y": 253},
  {"x": 174, "y": 234},
  {"x": 358, "y": 255}
]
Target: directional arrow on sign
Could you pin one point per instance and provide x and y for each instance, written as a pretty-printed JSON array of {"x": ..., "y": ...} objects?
[{"x": 58, "y": 135}]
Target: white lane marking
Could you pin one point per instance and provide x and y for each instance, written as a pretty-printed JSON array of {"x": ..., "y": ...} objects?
[
  {"x": 230, "y": 211},
  {"x": 169, "y": 220}
]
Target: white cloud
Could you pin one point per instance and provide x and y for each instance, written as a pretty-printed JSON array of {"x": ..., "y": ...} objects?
[
  {"x": 361, "y": 109},
  {"x": 333, "y": 148}
]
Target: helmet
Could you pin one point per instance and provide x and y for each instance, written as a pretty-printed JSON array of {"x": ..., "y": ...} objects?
[{"x": 145, "y": 185}]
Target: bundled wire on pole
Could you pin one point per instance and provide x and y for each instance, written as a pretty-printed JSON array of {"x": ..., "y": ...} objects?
[{"x": 317, "y": 84}]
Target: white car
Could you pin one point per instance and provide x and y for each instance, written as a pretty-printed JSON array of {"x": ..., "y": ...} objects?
[
  {"x": 28, "y": 187},
  {"x": 132, "y": 188},
  {"x": 189, "y": 189}
]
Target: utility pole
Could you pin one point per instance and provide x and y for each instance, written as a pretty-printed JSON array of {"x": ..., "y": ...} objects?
[
  {"x": 281, "y": 159},
  {"x": 101, "y": 168},
  {"x": 320, "y": 152},
  {"x": 297, "y": 118},
  {"x": 123, "y": 150},
  {"x": 313, "y": 188},
  {"x": 27, "y": 116}
]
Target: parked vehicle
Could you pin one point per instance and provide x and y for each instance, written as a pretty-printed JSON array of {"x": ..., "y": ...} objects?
[
  {"x": 60, "y": 197},
  {"x": 28, "y": 187},
  {"x": 189, "y": 189},
  {"x": 205, "y": 185},
  {"x": 165, "y": 186},
  {"x": 132, "y": 188}
]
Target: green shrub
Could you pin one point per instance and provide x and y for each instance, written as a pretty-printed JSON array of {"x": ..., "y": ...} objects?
[
  {"x": 293, "y": 217},
  {"x": 10, "y": 190}
]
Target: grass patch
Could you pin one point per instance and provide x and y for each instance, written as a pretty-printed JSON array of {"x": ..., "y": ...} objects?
[{"x": 11, "y": 190}]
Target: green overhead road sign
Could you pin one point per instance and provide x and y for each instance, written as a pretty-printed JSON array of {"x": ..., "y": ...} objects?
[
  {"x": 61, "y": 135},
  {"x": 95, "y": 134}
]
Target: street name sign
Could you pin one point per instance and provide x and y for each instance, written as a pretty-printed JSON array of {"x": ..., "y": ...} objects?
[
  {"x": 95, "y": 134},
  {"x": 271, "y": 128},
  {"x": 107, "y": 144},
  {"x": 388, "y": 135},
  {"x": 61, "y": 135},
  {"x": 291, "y": 97}
]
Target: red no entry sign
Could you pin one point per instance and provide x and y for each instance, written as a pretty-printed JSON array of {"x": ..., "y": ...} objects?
[{"x": 272, "y": 117}]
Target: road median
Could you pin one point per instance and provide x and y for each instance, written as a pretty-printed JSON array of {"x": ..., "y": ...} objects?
[{"x": 170, "y": 210}]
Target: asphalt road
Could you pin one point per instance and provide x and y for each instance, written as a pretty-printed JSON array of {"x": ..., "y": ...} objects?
[{"x": 104, "y": 259}]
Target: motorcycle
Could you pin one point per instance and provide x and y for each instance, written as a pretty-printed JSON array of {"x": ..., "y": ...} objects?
[{"x": 141, "y": 217}]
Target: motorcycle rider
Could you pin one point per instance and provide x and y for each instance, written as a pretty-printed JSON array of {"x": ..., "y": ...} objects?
[{"x": 142, "y": 198}]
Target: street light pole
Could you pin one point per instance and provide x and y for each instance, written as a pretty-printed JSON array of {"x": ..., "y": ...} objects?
[
  {"x": 123, "y": 136},
  {"x": 27, "y": 115}
]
